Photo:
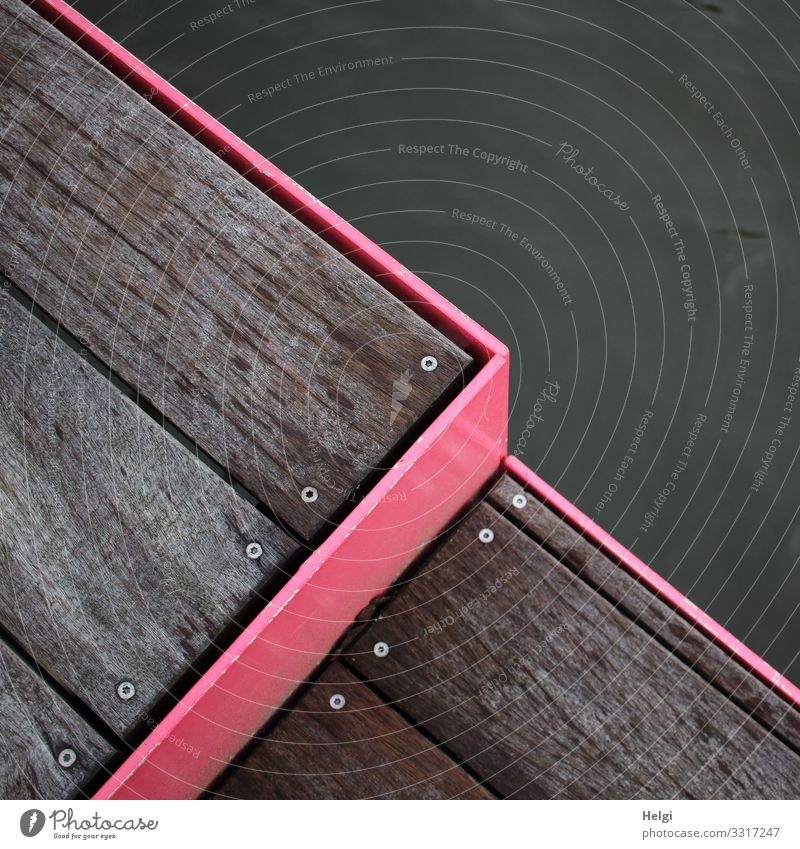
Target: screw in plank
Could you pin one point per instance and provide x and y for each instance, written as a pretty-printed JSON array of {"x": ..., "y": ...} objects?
[
  {"x": 486, "y": 535},
  {"x": 309, "y": 494},
  {"x": 429, "y": 363},
  {"x": 381, "y": 649},
  {"x": 337, "y": 701},
  {"x": 519, "y": 500},
  {"x": 253, "y": 550},
  {"x": 126, "y": 691},
  {"x": 67, "y": 758}
]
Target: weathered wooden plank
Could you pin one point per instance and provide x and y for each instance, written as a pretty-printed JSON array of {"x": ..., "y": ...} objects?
[
  {"x": 363, "y": 750},
  {"x": 546, "y": 690},
  {"x": 646, "y": 609},
  {"x": 121, "y": 555},
  {"x": 286, "y": 363},
  {"x": 37, "y": 727}
]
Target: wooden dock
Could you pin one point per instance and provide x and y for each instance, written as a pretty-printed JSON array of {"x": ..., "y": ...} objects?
[
  {"x": 197, "y": 390},
  {"x": 242, "y": 348}
]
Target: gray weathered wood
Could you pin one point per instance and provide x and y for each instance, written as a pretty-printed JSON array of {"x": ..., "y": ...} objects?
[
  {"x": 646, "y": 609},
  {"x": 121, "y": 555},
  {"x": 286, "y": 363},
  {"x": 36, "y": 726},
  {"x": 365, "y": 750},
  {"x": 546, "y": 690}
]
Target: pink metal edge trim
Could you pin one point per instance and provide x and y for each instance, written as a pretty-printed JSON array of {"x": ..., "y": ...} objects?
[
  {"x": 456, "y": 456},
  {"x": 581, "y": 522},
  {"x": 475, "y": 410}
]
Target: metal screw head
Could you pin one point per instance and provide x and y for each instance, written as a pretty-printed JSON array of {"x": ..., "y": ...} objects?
[
  {"x": 337, "y": 701},
  {"x": 254, "y": 550},
  {"x": 429, "y": 363},
  {"x": 381, "y": 649},
  {"x": 519, "y": 500},
  {"x": 486, "y": 535},
  {"x": 126, "y": 691},
  {"x": 309, "y": 494},
  {"x": 67, "y": 758}
]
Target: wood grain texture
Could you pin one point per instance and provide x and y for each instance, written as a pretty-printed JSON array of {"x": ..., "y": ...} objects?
[
  {"x": 287, "y": 364},
  {"x": 121, "y": 555},
  {"x": 547, "y": 691},
  {"x": 36, "y": 725},
  {"x": 647, "y": 610},
  {"x": 364, "y": 750}
]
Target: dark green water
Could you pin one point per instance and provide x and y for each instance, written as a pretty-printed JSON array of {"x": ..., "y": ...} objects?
[{"x": 661, "y": 286}]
